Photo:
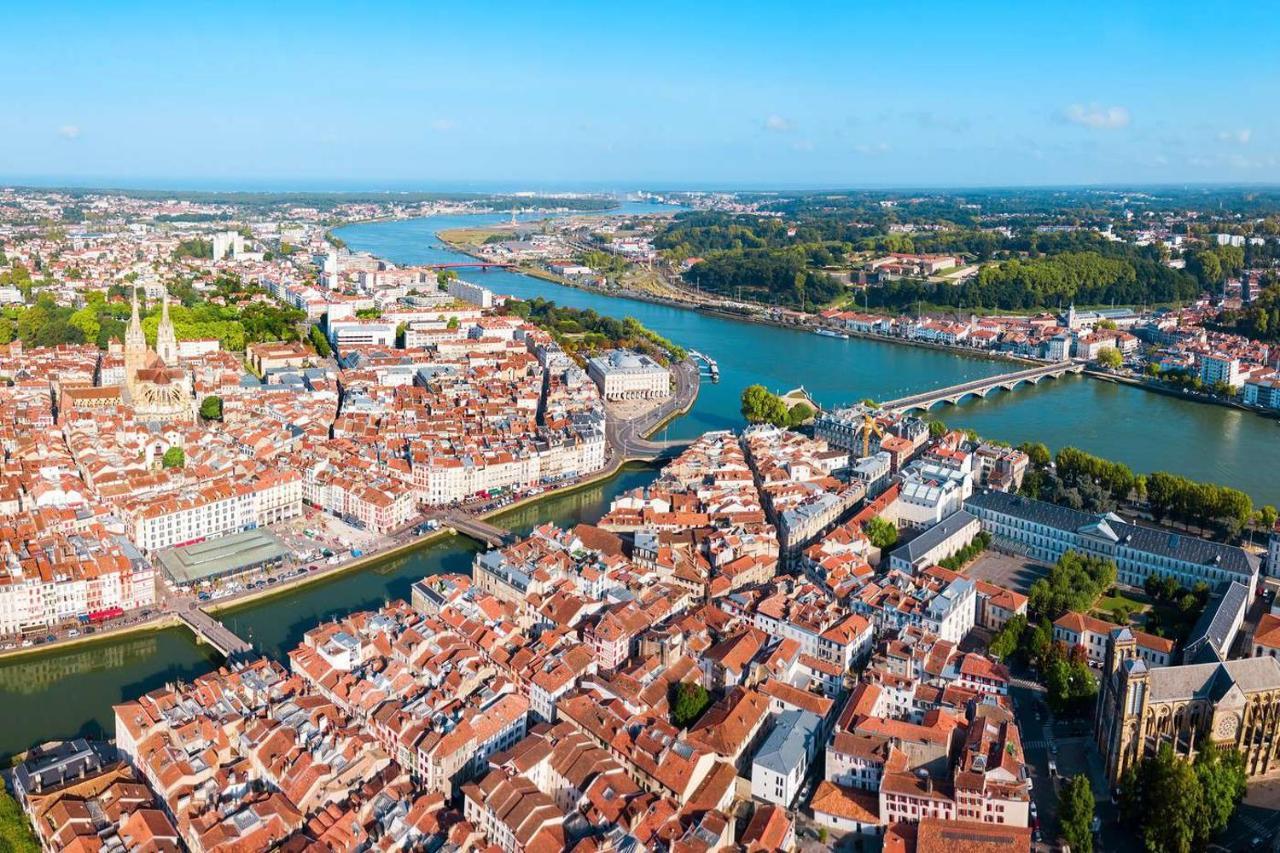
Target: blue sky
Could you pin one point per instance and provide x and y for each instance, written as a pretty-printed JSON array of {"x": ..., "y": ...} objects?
[{"x": 541, "y": 95}]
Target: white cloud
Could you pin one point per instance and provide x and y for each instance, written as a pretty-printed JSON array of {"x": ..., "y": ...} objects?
[
  {"x": 777, "y": 124},
  {"x": 443, "y": 125},
  {"x": 1240, "y": 137},
  {"x": 1104, "y": 118},
  {"x": 802, "y": 145},
  {"x": 69, "y": 131}
]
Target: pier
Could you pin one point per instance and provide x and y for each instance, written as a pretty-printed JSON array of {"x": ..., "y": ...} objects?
[{"x": 982, "y": 387}]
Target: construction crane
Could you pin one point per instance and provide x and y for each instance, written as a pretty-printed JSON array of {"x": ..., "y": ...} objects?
[{"x": 869, "y": 427}]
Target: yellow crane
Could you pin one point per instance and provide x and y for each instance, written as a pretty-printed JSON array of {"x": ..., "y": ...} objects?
[{"x": 869, "y": 427}]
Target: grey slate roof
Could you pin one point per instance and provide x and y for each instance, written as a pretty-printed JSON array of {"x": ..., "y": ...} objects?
[
  {"x": 790, "y": 741},
  {"x": 1213, "y": 680},
  {"x": 934, "y": 536},
  {"x": 1149, "y": 540},
  {"x": 1213, "y": 630}
]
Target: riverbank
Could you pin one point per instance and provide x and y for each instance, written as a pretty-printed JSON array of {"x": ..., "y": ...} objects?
[
  {"x": 712, "y": 310},
  {"x": 1177, "y": 394},
  {"x": 160, "y": 622}
]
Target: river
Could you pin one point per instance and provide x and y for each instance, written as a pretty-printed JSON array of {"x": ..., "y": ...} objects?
[{"x": 63, "y": 693}]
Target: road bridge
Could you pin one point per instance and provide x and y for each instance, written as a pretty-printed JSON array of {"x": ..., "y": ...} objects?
[
  {"x": 473, "y": 265},
  {"x": 213, "y": 632},
  {"x": 982, "y": 387}
]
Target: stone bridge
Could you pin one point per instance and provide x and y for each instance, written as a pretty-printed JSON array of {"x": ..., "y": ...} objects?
[{"x": 982, "y": 387}]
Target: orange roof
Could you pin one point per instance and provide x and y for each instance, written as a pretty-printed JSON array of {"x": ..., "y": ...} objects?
[
  {"x": 961, "y": 836},
  {"x": 845, "y": 802},
  {"x": 1268, "y": 633}
]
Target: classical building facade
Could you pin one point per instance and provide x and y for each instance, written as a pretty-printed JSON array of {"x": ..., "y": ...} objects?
[
  {"x": 155, "y": 387},
  {"x": 625, "y": 375},
  {"x": 1045, "y": 532},
  {"x": 1231, "y": 704}
]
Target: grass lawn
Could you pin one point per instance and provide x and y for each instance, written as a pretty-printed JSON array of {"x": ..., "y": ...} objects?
[{"x": 1112, "y": 603}]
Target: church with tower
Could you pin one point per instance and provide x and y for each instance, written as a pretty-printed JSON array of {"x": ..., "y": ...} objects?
[
  {"x": 1231, "y": 704},
  {"x": 155, "y": 386}
]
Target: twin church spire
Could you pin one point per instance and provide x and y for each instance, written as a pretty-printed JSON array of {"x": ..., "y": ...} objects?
[{"x": 135, "y": 342}]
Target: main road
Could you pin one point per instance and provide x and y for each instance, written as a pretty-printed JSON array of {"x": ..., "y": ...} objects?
[{"x": 627, "y": 438}]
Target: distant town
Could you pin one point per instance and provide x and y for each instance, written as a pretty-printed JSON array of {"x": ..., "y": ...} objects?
[{"x": 843, "y": 626}]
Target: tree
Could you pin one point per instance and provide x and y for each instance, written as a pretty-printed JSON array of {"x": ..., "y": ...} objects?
[
  {"x": 1266, "y": 518},
  {"x": 688, "y": 702},
  {"x": 1075, "y": 813},
  {"x": 799, "y": 413},
  {"x": 1073, "y": 583},
  {"x": 211, "y": 408},
  {"x": 452, "y": 324},
  {"x": 1006, "y": 641},
  {"x": 443, "y": 277},
  {"x": 1110, "y": 358},
  {"x": 15, "y": 830},
  {"x": 1179, "y": 806},
  {"x": 1222, "y": 783},
  {"x": 319, "y": 342},
  {"x": 937, "y": 429},
  {"x": 174, "y": 458},
  {"x": 760, "y": 406},
  {"x": 1037, "y": 453},
  {"x": 881, "y": 532}
]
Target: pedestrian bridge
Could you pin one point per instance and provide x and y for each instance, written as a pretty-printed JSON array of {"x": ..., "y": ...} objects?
[
  {"x": 982, "y": 387},
  {"x": 213, "y": 632},
  {"x": 480, "y": 530}
]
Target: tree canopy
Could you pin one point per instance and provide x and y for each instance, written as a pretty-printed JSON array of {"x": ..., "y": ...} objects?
[
  {"x": 211, "y": 408},
  {"x": 1073, "y": 583},
  {"x": 689, "y": 700},
  {"x": 881, "y": 532},
  {"x": 1075, "y": 813},
  {"x": 1178, "y": 806}
]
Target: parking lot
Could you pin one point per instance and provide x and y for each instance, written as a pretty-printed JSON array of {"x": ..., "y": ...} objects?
[{"x": 1010, "y": 571}]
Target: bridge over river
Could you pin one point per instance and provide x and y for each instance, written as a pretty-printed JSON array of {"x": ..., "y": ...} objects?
[
  {"x": 213, "y": 632},
  {"x": 982, "y": 387}
]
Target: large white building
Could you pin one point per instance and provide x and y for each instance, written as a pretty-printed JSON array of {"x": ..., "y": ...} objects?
[
  {"x": 349, "y": 333},
  {"x": 1046, "y": 531},
  {"x": 216, "y": 510},
  {"x": 623, "y": 375}
]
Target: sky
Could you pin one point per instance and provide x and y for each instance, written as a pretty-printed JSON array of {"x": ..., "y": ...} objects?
[{"x": 654, "y": 95}]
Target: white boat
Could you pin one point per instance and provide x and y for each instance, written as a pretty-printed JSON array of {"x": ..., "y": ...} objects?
[{"x": 831, "y": 333}]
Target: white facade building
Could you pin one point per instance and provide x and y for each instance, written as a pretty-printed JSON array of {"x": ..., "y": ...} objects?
[{"x": 623, "y": 375}]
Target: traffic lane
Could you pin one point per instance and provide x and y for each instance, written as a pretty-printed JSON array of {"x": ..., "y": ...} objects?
[{"x": 1036, "y": 754}]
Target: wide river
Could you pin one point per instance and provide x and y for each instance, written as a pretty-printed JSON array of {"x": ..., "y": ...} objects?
[{"x": 59, "y": 694}]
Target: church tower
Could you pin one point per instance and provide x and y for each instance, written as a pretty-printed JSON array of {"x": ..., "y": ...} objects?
[
  {"x": 166, "y": 338},
  {"x": 135, "y": 345}
]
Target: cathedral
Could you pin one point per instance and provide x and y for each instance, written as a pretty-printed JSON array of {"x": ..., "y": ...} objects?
[
  {"x": 1233, "y": 704},
  {"x": 155, "y": 387}
]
